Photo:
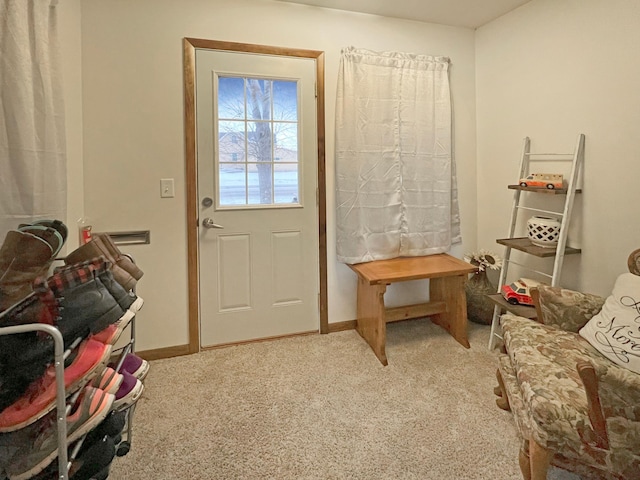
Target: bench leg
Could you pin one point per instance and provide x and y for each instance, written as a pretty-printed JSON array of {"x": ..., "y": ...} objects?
[
  {"x": 371, "y": 322},
  {"x": 451, "y": 291}
]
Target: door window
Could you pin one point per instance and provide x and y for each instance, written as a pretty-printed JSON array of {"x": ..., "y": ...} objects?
[{"x": 257, "y": 131}]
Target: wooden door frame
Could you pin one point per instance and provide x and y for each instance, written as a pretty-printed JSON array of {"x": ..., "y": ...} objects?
[{"x": 189, "y": 49}]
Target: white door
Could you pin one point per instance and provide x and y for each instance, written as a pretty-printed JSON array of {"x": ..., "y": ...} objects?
[{"x": 257, "y": 176}]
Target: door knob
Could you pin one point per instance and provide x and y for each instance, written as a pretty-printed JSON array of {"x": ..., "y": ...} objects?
[{"x": 209, "y": 223}]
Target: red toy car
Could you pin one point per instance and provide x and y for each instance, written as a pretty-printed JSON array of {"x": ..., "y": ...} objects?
[{"x": 518, "y": 291}]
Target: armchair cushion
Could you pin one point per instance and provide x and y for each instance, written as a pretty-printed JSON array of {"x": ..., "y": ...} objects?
[
  {"x": 615, "y": 330},
  {"x": 619, "y": 390},
  {"x": 566, "y": 309}
]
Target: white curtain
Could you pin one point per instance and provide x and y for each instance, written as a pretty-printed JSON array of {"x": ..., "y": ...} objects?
[
  {"x": 395, "y": 176},
  {"x": 33, "y": 177}
]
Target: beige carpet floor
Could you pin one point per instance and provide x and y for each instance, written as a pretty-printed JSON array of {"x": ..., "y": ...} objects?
[{"x": 323, "y": 407}]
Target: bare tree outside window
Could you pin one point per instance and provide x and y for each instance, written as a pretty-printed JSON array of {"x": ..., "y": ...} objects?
[{"x": 259, "y": 101}]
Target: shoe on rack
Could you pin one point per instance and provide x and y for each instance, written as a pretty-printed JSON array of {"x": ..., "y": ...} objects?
[
  {"x": 112, "y": 333},
  {"x": 85, "y": 304},
  {"x": 102, "y": 269},
  {"x": 121, "y": 260},
  {"x": 134, "y": 365},
  {"x": 102, "y": 474},
  {"x": 23, "y": 258},
  {"x": 22, "y": 349},
  {"x": 40, "y": 397},
  {"x": 9, "y": 446},
  {"x": 92, "y": 459},
  {"x": 40, "y": 306},
  {"x": 94, "y": 249},
  {"x": 97, "y": 456},
  {"x": 57, "y": 225},
  {"x": 111, "y": 426},
  {"x": 125, "y": 298},
  {"x": 89, "y": 410},
  {"x": 28, "y": 310},
  {"x": 50, "y": 235},
  {"x": 109, "y": 380},
  {"x": 24, "y": 356},
  {"x": 129, "y": 392}
]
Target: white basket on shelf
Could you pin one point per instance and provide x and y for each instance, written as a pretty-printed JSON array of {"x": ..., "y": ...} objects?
[{"x": 543, "y": 231}]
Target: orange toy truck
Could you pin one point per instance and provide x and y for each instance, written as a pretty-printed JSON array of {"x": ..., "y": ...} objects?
[{"x": 543, "y": 180}]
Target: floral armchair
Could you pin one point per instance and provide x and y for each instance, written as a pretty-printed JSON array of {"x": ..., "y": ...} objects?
[{"x": 573, "y": 406}]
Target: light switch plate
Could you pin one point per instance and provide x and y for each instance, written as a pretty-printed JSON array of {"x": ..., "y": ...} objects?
[{"x": 167, "y": 189}]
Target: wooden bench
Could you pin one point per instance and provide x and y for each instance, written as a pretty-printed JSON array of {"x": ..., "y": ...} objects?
[{"x": 447, "y": 305}]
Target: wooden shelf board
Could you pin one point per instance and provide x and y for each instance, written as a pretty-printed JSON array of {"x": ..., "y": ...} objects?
[
  {"x": 525, "y": 311},
  {"x": 549, "y": 191},
  {"x": 524, "y": 245}
]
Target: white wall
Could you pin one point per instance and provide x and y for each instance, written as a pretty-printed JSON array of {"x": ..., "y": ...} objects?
[
  {"x": 132, "y": 98},
  {"x": 550, "y": 70}
]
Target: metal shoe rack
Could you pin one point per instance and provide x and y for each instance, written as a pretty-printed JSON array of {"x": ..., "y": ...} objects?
[
  {"x": 60, "y": 354},
  {"x": 125, "y": 445}
]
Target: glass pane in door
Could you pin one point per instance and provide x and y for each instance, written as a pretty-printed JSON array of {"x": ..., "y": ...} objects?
[{"x": 257, "y": 127}]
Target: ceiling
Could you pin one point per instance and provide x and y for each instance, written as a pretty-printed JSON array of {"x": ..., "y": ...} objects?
[{"x": 459, "y": 13}]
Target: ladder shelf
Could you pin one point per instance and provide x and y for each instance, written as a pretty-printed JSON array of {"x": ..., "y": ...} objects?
[{"x": 524, "y": 244}]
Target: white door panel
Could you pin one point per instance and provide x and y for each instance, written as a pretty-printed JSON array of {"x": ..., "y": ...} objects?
[{"x": 258, "y": 274}]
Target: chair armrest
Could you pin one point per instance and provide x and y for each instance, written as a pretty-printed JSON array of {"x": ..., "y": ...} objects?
[
  {"x": 613, "y": 398},
  {"x": 619, "y": 390},
  {"x": 589, "y": 378},
  {"x": 565, "y": 309}
]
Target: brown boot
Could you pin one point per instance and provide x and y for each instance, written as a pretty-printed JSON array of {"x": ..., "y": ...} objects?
[
  {"x": 121, "y": 260},
  {"x": 93, "y": 249},
  {"x": 23, "y": 258},
  {"x": 41, "y": 228},
  {"x": 49, "y": 234}
]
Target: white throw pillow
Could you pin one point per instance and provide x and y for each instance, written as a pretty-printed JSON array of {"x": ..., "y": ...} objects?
[{"x": 615, "y": 330}]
